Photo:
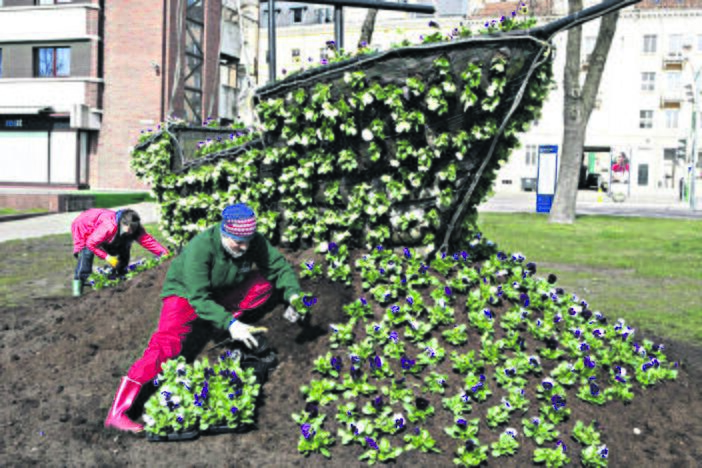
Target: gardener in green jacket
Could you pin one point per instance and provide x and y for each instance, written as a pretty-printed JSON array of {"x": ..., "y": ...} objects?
[{"x": 210, "y": 279}]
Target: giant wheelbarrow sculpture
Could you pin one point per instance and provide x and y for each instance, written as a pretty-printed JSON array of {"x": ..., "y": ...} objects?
[{"x": 396, "y": 148}]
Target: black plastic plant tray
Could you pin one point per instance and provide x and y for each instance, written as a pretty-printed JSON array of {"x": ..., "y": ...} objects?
[
  {"x": 174, "y": 436},
  {"x": 224, "y": 429}
]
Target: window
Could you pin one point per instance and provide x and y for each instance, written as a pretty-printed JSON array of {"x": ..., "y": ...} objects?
[
  {"x": 643, "y": 175},
  {"x": 52, "y": 61},
  {"x": 296, "y": 55},
  {"x": 699, "y": 43},
  {"x": 674, "y": 81},
  {"x": 0, "y": 53},
  {"x": 648, "y": 81},
  {"x": 649, "y": 46},
  {"x": 675, "y": 43},
  {"x": 296, "y": 15},
  {"x": 646, "y": 119},
  {"x": 531, "y": 155},
  {"x": 671, "y": 118}
]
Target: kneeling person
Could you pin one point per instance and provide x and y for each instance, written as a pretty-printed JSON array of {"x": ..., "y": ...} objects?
[
  {"x": 109, "y": 235},
  {"x": 210, "y": 279}
]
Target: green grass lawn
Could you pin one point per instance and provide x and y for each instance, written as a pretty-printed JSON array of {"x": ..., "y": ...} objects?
[
  {"x": 644, "y": 270},
  {"x": 11, "y": 211}
]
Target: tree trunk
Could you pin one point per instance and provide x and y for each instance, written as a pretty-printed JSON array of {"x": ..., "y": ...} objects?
[
  {"x": 577, "y": 108},
  {"x": 368, "y": 28}
]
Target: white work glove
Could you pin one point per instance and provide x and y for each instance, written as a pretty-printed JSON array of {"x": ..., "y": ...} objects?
[
  {"x": 290, "y": 313},
  {"x": 241, "y": 332}
]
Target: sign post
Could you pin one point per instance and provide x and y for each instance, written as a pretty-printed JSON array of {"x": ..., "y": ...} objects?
[{"x": 547, "y": 175}]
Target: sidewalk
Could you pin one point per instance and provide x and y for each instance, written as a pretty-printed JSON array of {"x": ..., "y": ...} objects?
[
  {"x": 61, "y": 223},
  {"x": 519, "y": 202}
]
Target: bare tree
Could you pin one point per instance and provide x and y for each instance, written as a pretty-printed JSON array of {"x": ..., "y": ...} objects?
[
  {"x": 577, "y": 107},
  {"x": 368, "y": 27}
]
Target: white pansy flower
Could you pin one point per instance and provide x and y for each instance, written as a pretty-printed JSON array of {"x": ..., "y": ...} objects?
[
  {"x": 366, "y": 134},
  {"x": 367, "y": 98},
  {"x": 403, "y": 126},
  {"x": 432, "y": 103},
  {"x": 394, "y": 163},
  {"x": 347, "y": 77},
  {"x": 309, "y": 114},
  {"x": 449, "y": 87},
  {"x": 304, "y": 141},
  {"x": 149, "y": 420}
]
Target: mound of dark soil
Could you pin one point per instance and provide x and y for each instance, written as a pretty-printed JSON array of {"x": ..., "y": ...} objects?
[{"x": 62, "y": 360}]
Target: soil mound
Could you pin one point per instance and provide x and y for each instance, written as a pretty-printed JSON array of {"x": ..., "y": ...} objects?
[{"x": 62, "y": 360}]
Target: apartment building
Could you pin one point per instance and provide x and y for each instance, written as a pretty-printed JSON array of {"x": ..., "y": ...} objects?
[
  {"x": 80, "y": 79},
  {"x": 643, "y": 109}
]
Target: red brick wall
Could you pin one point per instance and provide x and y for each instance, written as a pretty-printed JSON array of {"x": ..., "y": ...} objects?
[{"x": 132, "y": 90}]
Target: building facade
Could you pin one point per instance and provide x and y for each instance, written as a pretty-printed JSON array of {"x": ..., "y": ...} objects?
[
  {"x": 642, "y": 110},
  {"x": 80, "y": 79}
]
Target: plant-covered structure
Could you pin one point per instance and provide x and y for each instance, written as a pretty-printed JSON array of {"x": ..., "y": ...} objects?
[{"x": 396, "y": 147}]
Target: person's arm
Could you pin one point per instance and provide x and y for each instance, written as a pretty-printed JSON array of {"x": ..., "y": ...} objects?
[
  {"x": 147, "y": 241},
  {"x": 277, "y": 270},
  {"x": 103, "y": 233},
  {"x": 197, "y": 269}
]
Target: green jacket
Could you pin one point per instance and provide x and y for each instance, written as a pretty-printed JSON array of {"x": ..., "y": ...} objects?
[{"x": 204, "y": 267}]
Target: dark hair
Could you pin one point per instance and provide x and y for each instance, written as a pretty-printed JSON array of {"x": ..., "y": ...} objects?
[{"x": 131, "y": 218}]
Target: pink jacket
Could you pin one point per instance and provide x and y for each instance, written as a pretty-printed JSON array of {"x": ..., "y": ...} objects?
[{"x": 95, "y": 226}]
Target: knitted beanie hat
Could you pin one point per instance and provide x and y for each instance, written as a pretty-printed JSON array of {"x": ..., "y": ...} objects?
[{"x": 238, "y": 222}]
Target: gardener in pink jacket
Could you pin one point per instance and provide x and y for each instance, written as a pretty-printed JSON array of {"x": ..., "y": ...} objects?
[{"x": 109, "y": 235}]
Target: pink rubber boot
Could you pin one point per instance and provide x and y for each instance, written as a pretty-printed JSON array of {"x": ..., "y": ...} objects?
[{"x": 125, "y": 396}]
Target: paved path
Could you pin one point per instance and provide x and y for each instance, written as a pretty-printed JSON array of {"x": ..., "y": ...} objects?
[
  {"x": 520, "y": 202},
  {"x": 645, "y": 206}
]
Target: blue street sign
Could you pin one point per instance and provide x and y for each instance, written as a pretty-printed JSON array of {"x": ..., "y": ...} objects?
[
  {"x": 543, "y": 203},
  {"x": 547, "y": 175}
]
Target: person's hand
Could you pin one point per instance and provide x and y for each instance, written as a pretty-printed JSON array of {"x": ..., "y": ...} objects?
[
  {"x": 113, "y": 261},
  {"x": 242, "y": 332}
]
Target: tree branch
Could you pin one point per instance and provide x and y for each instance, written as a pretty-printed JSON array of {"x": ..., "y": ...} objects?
[{"x": 605, "y": 36}]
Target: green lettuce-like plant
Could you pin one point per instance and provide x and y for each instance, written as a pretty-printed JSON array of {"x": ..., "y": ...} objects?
[
  {"x": 552, "y": 457},
  {"x": 506, "y": 445},
  {"x": 320, "y": 391},
  {"x": 380, "y": 452},
  {"x": 421, "y": 440},
  {"x": 458, "y": 405},
  {"x": 466, "y": 363},
  {"x": 314, "y": 439},
  {"x": 586, "y": 435},
  {"x": 540, "y": 431},
  {"x": 595, "y": 456},
  {"x": 457, "y": 335},
  {"x": 471, "y": 454},
  {"x": 463, "y": 429}
]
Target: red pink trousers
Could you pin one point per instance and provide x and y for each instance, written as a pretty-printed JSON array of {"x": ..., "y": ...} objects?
[{"x": 175, "y": 323}]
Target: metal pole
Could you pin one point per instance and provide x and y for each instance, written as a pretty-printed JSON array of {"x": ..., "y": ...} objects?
[
  {"x": 695, "y": 114},
  {"x": 339, "y": 27},
  {"x": 271, "y": 40}
]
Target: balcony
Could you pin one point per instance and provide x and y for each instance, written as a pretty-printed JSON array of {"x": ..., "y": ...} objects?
[
  {"x": 672, "y": 99},
  {"x": 673, "y": 61},
  {"x": 47, "y": 23},
  {"x": 68, "y": 96}
]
